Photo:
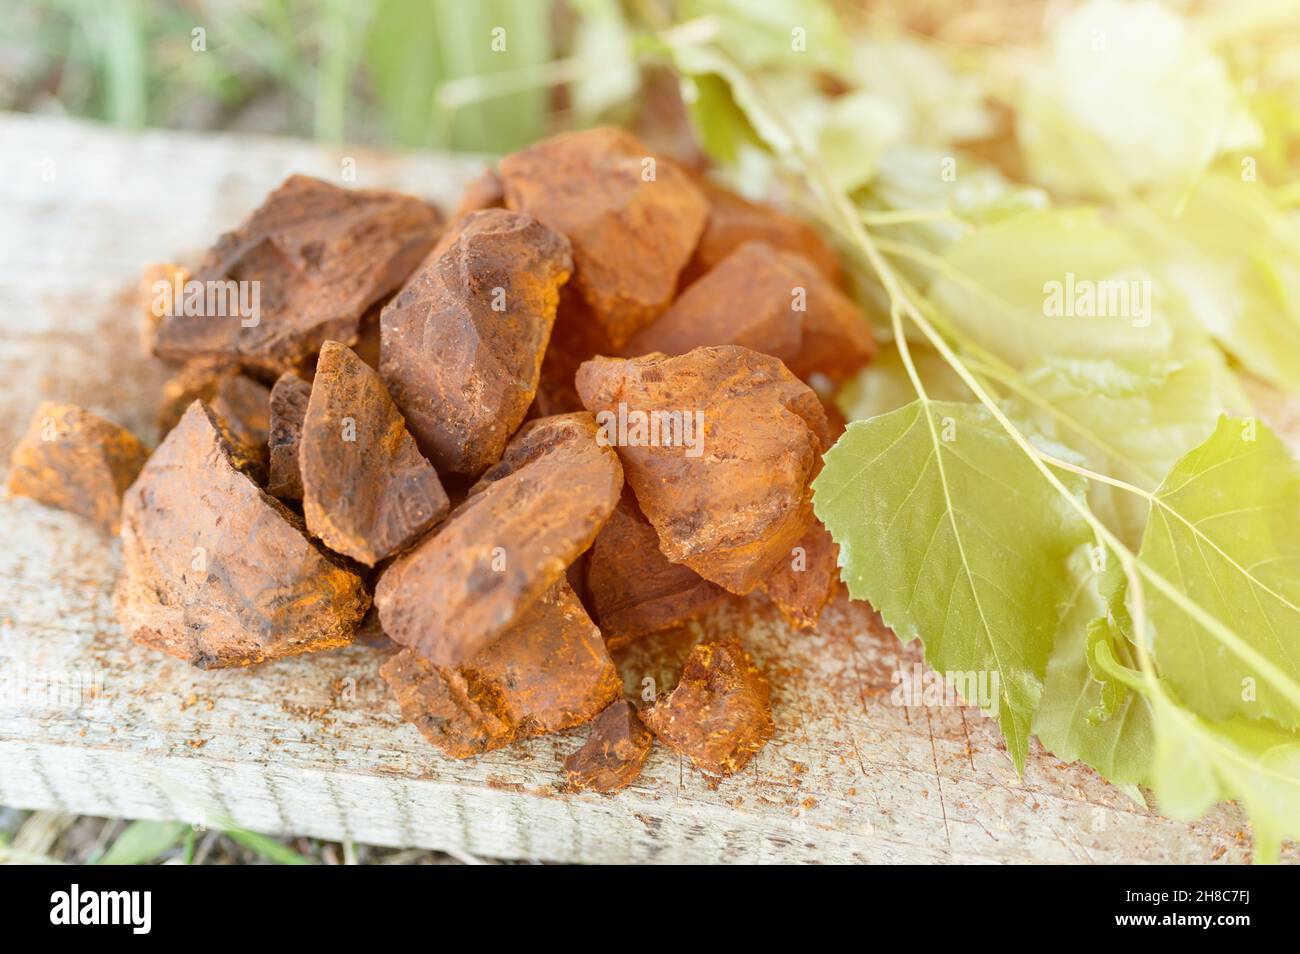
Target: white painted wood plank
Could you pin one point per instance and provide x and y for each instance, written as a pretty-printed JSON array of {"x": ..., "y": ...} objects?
[{"x": 91, "y": 723}]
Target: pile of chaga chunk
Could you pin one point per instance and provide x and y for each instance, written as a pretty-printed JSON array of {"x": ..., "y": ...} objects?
[{"x": 498, "y": 448}]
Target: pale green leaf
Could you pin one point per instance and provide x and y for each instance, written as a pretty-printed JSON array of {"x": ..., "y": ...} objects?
[
  {"x": 1225, "y": 529},
  {"x": 1059, "y": 282},
  {"x": 793, "y": 34},
  {"x": 1235, "y": 258},
  {"x": 602, "y": 42},
  {"x": 1127, "y": 419},
  {"x": 1198, "y": 762},
  {"x": 142, "y": 842},
  {"x": 1084, "y": 718},
  {"x": 884, "y": 386},
  {"x": 1128, "y": 95},
  {"x": 953, "y": 535}
]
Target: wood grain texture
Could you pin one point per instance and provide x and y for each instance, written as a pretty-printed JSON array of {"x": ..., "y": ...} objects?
[{"x": 91, "y": 723}]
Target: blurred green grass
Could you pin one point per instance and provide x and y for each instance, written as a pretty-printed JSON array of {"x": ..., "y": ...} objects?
[{"x": 359, "y": 70}]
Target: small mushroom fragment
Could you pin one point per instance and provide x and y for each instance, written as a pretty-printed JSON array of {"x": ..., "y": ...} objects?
[
  {"x": 634, "y": 589},
  {"x": 733, "y": 221},
  {"x": 720, "y": 446},
  {"x": 76, "y": 461},
  {"x": 288, "y": 408},
  {"x": 483, "y": 192},
  {"x": 801, "y": 587},
  {"x": 242, "y": 404},
  {"x": 633, "y": 219},
  {"x": 216, "y": 571},
  {"x": 720, "y": 712},
  {"x": 462, "y": 344},
  {"x": 160, "y": 285},
  {"x": 367, "y": 492},
  {"x": 502, "y": 549},
  {"x": 303, "y": 268},
  {"x": 613, "y": 754},
  {"x": 770, "y": 301},
  {"x": 549, "y": 671}
]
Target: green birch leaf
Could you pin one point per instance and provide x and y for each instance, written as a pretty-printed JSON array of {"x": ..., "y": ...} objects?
[
  {"x": 1257, "y": 764},
  {"x": 1058, "y": 282},
  {"x": 1225, "y": 529},
  {"x": 1087, "y": 715},
  {"x": 1127, "y": 419},
  {"x": 952, "y": 534},
  {"x": 883, "y": 385},
  {"x": 1236, "y": 263}
]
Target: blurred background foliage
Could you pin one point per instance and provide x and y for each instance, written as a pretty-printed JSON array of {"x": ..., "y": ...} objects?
[
  {"x": 415, "y": 73},
  {"x": 428, "y": 74}
]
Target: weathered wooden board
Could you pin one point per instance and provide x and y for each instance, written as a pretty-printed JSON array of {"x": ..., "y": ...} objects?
[{"x": 91, "y": 723}]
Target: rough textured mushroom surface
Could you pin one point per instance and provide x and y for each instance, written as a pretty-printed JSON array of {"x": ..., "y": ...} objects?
[
  {"x": 462, "y": 344},
  {"x": 633, "y": 218},
  {"x": 549, "y": 671},
  {"x": 634, "y": 589},
  {"x": 720, "y": 446},
  {"x": 770, "y": 301},
  {"x": 288, "y": 409},
  {"x": 302, "y": 269},
  {"x": 720, "y": 712},
  {"x": 501, "y": 550},
  {"x": 614, "y": 753},
  {"x": 218, "y": 572},
  {"x": 367, "y": 491}
]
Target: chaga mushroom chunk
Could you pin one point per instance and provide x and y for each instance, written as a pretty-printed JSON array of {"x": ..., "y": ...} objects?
[
  {"x": 242, "y": 404},
  {"x": 549, "y": 671},
  {"x": 302, "y": 269},
  {"x": 76, "y": 461},
  {"x": 613, "y": 754},
  {"x": 573, "y": 432},
  {"x": 772, "y": 302},
  {"x": 633, "y": 219},
  {"x": 216, "y": 571},
  {"x": 720, "y": 446},
  {"x": 462, "y": 344},
  {"x": 733, "y": 221},
  {"x": 634, "y": 589},
  {"x": 720, "y": 713},
  {"x": 801, "y": 587},
  {"x": 501, "y": 550},
  {"x": 288, "y": 409},
  {"x": 366, "y": 491}
]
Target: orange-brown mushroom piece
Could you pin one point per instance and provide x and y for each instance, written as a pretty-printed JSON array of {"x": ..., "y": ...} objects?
[
  {"x": 76, "y": 461},
  {"x": 720, "y": 446},
  {"x": 548, "y": 672},
  {"x": 719, "y": 714},
  {"x": 633, "y": 218},
  {"x": 461, "y": 345},
  {"x": 301, "y": 270},
  {"x": 366, "y": 490},
  {"x": 218, "y": 572}
]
